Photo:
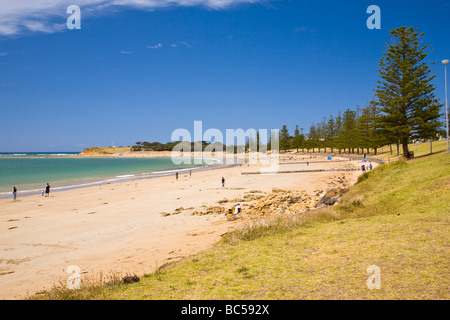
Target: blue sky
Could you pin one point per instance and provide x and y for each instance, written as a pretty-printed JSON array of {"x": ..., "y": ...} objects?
[{"x": 137, "y": 70}]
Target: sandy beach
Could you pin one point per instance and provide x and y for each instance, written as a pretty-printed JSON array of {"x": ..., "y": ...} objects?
[{"x": 134, "y": 227}]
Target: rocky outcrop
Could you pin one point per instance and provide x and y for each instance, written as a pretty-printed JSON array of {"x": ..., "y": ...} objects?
[
  {"x": 265, "y": 204},
  {"x": 331, "y": 197}
]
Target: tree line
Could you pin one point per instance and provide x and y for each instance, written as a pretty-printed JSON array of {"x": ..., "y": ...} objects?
[
  {"x": 404, "y": 107},
  {"x": 157, "y": 146}
]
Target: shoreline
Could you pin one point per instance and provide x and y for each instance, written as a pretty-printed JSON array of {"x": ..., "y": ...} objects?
[
  {"x": 108, "y": 181},
  {"x": 33, "y": 189},
  {"x": 216, "y": 163},
  {"x": 132, "y": 227}
]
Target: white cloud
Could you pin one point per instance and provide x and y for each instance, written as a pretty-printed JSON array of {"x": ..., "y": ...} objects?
[
  {"x": 153, "y": 4},
  {"x": 186, "y": 44},
  {"x": 21, "y": 16},
  {"x": 173, "y": 45},
  {"x": 159, "y": 45},
  {"x": 125, "y": 52}
]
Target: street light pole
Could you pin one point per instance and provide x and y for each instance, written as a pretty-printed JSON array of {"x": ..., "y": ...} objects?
[{"x": 445, "y": 62}]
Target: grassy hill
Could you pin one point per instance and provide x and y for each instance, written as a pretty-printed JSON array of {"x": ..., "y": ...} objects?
[
  {"x": 424, "y": 149},
  {"x": 396, "y": 217}
]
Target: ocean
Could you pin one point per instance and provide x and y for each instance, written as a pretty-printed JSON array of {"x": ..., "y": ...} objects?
[{"x": 30, "y": 172}]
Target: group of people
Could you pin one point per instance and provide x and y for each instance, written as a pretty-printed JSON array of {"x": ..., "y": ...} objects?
[
  {"x": 190, "y": 174},
  {"x": 364, "y": 168},
  {"x": 45, "y": 191},
  {"x": 176, "y": 174}
]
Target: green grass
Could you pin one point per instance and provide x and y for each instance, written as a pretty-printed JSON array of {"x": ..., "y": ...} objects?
[
  {"x": 422, "y": 150},
  {"x": 397, "y": 218}
]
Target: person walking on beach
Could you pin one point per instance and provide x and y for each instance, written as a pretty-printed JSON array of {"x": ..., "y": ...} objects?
[
  {"x": 190, "y": 173},
  {"x": 223, "y": 182},
  {"x": 47, "y": 190},
  {"x": 14, "y": 193},
  {"x": 363, "y": 168},
  {"x": 176, "y": 176}
]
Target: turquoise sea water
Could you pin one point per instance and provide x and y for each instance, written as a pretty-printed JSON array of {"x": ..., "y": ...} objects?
[{"x": 31, "y": 172}]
